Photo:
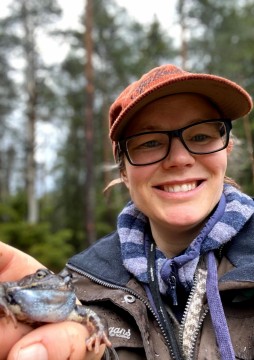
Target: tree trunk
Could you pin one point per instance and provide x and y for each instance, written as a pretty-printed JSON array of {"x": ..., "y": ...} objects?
[
  {"x": 89, "y": 126},
  {"x": 30, "y": 81}
]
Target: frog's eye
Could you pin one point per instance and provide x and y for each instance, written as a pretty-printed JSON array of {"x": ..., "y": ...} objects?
[{"x": 42, "y": 273}]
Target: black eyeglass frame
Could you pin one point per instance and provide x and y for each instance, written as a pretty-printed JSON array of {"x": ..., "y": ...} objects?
[{"x": 122, "y": 147}]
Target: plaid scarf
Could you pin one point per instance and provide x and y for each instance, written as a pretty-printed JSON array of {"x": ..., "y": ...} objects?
[{"x": 232, "y": 212}]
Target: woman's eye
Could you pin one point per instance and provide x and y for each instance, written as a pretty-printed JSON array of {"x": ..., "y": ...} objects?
[
  {"x": 200, "y": 137},
  {"x": 150, "y": 144},
  {"x": 147, "y": 142}
]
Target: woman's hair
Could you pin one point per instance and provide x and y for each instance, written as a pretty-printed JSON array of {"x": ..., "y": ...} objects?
[{"x": 230, "y": 181}]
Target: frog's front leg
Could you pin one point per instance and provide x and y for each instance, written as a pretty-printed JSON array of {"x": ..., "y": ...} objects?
[
  {"x": 93, "y": 323},
  {"x": 4, "y": 305}
]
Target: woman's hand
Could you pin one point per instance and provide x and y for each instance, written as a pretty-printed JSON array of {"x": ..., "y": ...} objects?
[{"x": 65, "y": 340}]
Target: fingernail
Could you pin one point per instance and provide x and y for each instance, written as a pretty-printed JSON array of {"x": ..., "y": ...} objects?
[{"x": 35, "y": 351}]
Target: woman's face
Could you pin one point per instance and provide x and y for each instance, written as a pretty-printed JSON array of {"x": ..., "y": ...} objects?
[{"x": 179, "y": 192}]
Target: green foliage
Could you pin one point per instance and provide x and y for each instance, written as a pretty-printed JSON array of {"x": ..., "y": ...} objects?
[
  {"x": 8, "y": 213},
  {"x": 51, "y": 249},
  {"x": 13, "y": 208},
  {"x": 54, "y": 249}
]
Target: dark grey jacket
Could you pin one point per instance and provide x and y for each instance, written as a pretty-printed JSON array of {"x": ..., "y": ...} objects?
[{"x": 104, "y": 284}]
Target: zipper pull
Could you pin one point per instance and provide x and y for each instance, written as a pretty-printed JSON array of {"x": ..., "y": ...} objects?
[
  {"x": 169, "y": 276},
  {"x": 172, "y": 288}
]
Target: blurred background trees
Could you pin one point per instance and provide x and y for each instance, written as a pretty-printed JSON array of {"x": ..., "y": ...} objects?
[{"x": 51, "y": 191}]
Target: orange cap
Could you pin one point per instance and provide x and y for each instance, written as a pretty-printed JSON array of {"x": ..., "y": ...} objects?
[{"x": 231, "y": 99}]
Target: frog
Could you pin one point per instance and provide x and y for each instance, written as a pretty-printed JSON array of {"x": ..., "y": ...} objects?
[{"x": 46, "y": 297}]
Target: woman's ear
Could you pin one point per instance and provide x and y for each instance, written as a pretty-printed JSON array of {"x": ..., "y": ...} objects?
[
  {"x": 230, "y": 146},
  {"x": 124, "y": 178}
]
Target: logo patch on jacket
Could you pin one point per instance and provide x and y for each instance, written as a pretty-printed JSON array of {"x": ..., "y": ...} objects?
[{"x": 119, "y": 332}]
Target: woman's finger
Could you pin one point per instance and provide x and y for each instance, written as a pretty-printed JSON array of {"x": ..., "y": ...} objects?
[
  {"x": 59, "y": 341},
  {"x": 15, "y": 264},
  {"x": 10, "y": 334}
]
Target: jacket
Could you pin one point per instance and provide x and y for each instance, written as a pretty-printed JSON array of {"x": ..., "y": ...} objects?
[{"x": 102, "y": 283}]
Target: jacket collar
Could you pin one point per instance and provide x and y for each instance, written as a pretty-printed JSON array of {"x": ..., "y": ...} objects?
[
  {"x": 240, "y": 252},
  {"x": 103, "y": 260}
]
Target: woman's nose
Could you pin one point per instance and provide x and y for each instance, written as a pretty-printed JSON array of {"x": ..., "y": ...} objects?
[{"x": 178, "y": 155}]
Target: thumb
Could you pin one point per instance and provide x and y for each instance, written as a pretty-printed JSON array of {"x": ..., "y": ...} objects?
[{"x": 66, "y": 340}]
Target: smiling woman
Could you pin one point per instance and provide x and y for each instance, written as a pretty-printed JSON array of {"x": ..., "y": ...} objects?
[
  {"x": 177, "y": 169},
  {"x": 175, "y": 280}
]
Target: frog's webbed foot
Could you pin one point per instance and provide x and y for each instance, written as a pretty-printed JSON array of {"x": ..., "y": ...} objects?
[
  {"x": 96, "y": 339},
  {"x": 93, "y": 323}
]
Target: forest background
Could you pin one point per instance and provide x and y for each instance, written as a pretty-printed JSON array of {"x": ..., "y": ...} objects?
[{"x": 52, "y": 202}]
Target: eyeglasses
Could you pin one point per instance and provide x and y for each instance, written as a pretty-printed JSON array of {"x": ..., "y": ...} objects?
[{"x": 204, "y": 137}]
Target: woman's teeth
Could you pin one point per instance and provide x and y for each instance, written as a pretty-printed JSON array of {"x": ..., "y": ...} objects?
[{"x": 180, "y": 187}]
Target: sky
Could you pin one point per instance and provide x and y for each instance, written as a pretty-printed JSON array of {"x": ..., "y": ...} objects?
[
  {"x": 142, "y": 10},
  {"x": 145, "y": 10}
]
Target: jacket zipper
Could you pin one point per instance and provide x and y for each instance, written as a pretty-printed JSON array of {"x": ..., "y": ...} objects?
[
  {"x": 111, "y": 286},
  {"x": 195, "y": 335},
  {"x": 200, "y": 322}
]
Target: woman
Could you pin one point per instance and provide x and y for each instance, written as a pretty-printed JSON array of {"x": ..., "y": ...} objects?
[{"x": 175, "y": 281}]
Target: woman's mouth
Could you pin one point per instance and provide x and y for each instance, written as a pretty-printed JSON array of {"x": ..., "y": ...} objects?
[{"x": 175, "y": 188}]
